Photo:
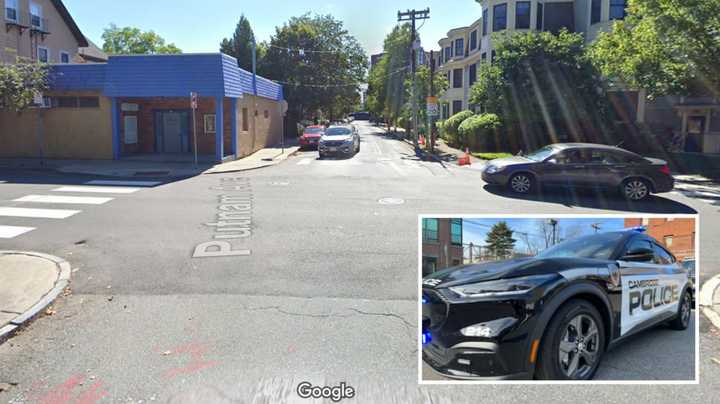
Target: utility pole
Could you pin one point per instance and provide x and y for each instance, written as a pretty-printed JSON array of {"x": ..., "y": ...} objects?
[
  {"x": 413, "y": 16},
  {"x": 554, "y": 224},
  {"x": 431, "y": 120}
]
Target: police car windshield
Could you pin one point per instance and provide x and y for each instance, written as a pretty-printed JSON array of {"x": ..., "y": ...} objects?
[{"x": 597, "y": 246}]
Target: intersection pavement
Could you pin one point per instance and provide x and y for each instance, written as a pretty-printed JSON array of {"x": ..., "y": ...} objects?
[{"x": 327, "y": 292}]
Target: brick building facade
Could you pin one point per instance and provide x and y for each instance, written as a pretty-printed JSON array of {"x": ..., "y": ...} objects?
[
  {"x": 442, "y": 245},
  {"x": 677, "y": 235}
]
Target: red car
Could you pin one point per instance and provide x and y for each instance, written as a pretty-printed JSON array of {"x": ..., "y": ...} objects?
[{"x": 311, "y": 136}]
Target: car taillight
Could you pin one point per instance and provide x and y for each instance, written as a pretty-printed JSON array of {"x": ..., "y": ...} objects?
[{"x": 665, "y": 169}]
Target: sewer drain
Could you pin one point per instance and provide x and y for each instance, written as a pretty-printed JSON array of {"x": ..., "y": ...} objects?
[{"x": 391, "y": 201}]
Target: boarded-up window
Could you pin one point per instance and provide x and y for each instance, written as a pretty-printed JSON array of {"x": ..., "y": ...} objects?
[{"x": 245, "y": 119}]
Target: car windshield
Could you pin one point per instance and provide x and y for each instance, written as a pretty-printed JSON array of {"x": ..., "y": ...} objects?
[
  {"x": 542, "y": 154},
  {"x": 337, "y": 132},
  {"x": 313, "y": 131},
  {"x": 597, "y": 246}
]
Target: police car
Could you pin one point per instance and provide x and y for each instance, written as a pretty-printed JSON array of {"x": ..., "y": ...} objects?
[{"x": 551, "y": 316}]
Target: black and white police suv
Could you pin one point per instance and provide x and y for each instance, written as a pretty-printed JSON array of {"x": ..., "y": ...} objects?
[{"x": 554, "y": 315}]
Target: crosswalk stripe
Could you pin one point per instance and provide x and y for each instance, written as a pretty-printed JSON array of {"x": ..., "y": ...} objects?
[
  {"x": 98, "y": 190},
  {"x": 37, "y": 213},
  {"x": 125, "y": 183},
  {"x": 304, "y": 162},
  {"x": 80, "y": 200},
  {"x": 13, "y": 231}
]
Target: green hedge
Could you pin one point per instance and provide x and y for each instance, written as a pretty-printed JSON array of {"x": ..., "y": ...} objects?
[
  {"x": 451, "y": 127},
  {"x": 478, "y": 131}
]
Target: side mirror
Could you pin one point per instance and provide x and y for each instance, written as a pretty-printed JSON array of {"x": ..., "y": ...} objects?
[
  {"x": 639, "y": 255},
  {"x": 551, "y": 161}
]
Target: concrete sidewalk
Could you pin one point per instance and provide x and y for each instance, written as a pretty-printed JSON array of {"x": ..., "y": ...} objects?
[
  {"x": 263, "y": 158},
  {"x": 709, "y": 300},
  {"x": 29, "y": 282}
]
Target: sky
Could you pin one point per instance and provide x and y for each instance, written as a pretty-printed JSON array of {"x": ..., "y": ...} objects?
[
  {"x": 475, "y": 230},
  {"x": 199, "y": 26}
]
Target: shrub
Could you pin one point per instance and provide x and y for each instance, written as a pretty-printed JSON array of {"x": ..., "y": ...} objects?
[
  {"x": 478, "y": 131},
  {"x": 452, "y": 124}
]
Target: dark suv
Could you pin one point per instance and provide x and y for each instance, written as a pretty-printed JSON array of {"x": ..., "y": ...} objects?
[{"x": 582, "y": 165}]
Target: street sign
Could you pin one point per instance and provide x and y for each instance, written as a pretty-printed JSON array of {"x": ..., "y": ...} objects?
[
  {"x": 193, "y": 100},
  {"x": 433, "y": 108}
]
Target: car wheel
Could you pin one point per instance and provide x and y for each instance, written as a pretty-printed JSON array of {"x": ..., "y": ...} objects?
[
  {"x": 573, "y": 344},
  {"x": 322, "y": 155},
  {"x": 635, "y": 189},
  {"x": 522, "y": 183},
  {"x": 682, "y": 320}
]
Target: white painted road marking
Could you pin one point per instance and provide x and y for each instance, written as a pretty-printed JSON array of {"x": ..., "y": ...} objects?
[
  {"x": 38, "y": 213},
  {"x": 80, "y": 200},
  {"x": 98, "y": 190},
  {"x": 397, "y": 169},
  {"x": 304, "y": 162},
  {"x": 125, "y": 183},
  {"x": 13, "y": 231}
]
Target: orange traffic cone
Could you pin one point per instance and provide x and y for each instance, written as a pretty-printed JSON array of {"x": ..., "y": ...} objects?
[
  {"x": 465, "y": 161},
  {"x": 422, "y": 140}
]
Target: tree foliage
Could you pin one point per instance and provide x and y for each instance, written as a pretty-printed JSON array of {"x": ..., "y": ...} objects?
[
  {"x": 479, "y": 132},
  {"x": 665, "y": 47},
  {"x": 422, "y": 82},
  {"x": 20, "y": 83},
  {"x": 500, "y": 241},
  {"x": 452, "y": 125},
  {"x": 240, "y": 45},
  {"x": 133, "y": 41},
  {"x": 545, "y": 89},
  {"x": 320, "y": 65},
  {"x": 387, "y": 95}
]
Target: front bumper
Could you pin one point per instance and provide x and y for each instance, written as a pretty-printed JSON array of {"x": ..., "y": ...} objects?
[
  {"x": 452, "y": 354},
  {"x": 664, "y": 184},
  {"x": 309, "y": 142},
  {"x": 499, "y": 178},
  {"x": 344, "y": 148}
]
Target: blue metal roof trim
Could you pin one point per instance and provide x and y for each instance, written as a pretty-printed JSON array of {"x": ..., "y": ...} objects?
[
  {"x": 165, "y": 75},
  {"x": 78, "y": 77},
  {"x": 239, "y": 81}
]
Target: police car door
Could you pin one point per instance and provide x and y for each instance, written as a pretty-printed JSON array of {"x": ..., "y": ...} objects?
[{"x": 652, "y": 284}]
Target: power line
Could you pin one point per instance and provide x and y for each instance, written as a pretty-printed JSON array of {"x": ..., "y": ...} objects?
[
  {"x": 336, "y": 85},
  {"x": 303, "y": 51}
]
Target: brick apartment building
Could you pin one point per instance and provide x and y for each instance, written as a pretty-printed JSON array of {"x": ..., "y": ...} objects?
[
  {"x": 677, "y": 235},
  {"x": 442, "y": 244}
]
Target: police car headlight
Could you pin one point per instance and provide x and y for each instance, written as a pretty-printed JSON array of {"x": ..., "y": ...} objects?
[
  {"x": 503, "y": 287},
  {"x": 491, "y": 169},
  {"x": 489, "y": 329}
]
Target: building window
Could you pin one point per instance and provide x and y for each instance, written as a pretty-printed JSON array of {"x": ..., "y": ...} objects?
[
  {"x": 499, "y": 17},
  {"x": 483, "y": 57},
  {"x": 539, "y": 21},
  {"x": 484, "y": 21},
  {"x": 459, "y": 47},
  {"x": 457, "y": 106},
  {"x": 43, "y": 55},
  {"x": 645, "y": 221},
  {"x": 209, "y": 123},
  {"x": 65, "y": 102},
  {"x": 89, "y": 102},
  {"x": 492, "y": 57},
  {"x": 429, "y": 265},
  {"x": 245, "y": 122},
  {"x": 522, "y": 15},
  {"x": 595, "y": 11},
  {"x": 473, "y": 74},
  {"x": 456, "y": 231},
  {"x": 430, "y": 230},
  {"x": 668, "y": 241},
  {"x": 266, "y": 114},
  {"x": 448, "y": 53},
  {"x": 617, "y": 9},
  {"x": 64, "y": 57},
  {"x": 457, "y": 78},
  {"x": 11, "y": 10},
  {"x": 446, "y": 111},
  {"x": 473, "y": 40},
  {"x": 36, "y": 15}
]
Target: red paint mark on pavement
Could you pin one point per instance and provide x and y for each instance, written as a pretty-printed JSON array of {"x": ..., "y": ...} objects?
[
  {"x": 197, "y": 353},
  {"x": 70, "y": 391}
]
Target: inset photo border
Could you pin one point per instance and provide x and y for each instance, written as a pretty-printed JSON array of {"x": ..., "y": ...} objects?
[{"x": 558, "y": 299}]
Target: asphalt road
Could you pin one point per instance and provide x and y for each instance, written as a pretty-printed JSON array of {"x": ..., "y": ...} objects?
[{"x": 326, "y": 294}]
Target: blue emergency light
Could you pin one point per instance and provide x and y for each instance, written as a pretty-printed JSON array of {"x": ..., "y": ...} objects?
[{"x": 426, "y": 338}]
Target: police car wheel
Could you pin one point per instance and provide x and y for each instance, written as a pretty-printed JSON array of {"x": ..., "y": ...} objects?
[
  {"x": 573, "y": 344},
  {"x": 682, "y": 320}
]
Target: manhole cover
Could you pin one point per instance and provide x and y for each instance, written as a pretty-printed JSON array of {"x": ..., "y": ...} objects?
[
  {"x": 279, "y": 184},
  {"x": 391, "y": 201}
]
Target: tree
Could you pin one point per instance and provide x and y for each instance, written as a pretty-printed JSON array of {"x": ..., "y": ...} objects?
[
  {"x": 422, "y": 79},
  {"x": 20, "y": 83},
  {"x": 320, "y": 65},
  {"x": 499, "y": 240},
  {"x": 241, "y": 44},
  {"x": 665, "y": 47},
  {"x": 133, "y": 41},
  {"x": 545, "y": 89}
]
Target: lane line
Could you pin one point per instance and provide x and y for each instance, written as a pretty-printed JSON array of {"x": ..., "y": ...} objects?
[
  {"x": 304, "y": 162},
  {"x": 397, "y": 169},
  {"x": 98, "y": 190},
  {"x": 79, "y": 200},
  {"x": 125, "y": 183},
  {"x": 38, "y": 213},
  {"x": 8, "y": 232}
]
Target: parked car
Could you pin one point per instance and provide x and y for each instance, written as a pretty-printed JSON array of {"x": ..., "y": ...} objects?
[
  {"x": 311, "y": 136},
  {"x": 582, "y": 165},
  {"x": 339, "y": 140},
  {"x": 551, "y": 316},
  {"x": 689, "y": 264}
]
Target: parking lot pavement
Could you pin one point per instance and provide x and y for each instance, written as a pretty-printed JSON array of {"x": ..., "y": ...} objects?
[{"x": 655, "y": 354}]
